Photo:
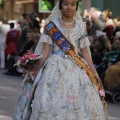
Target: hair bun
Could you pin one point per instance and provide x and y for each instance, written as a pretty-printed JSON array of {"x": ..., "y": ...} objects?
[{"x": 109, "y": 12}]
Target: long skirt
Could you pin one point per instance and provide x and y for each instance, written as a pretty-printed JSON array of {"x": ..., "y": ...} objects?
[
  {"x": 23, "y": 108},
  {"x": 65, "y": 92}
]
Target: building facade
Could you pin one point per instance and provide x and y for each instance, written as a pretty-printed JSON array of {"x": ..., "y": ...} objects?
[{"x": 13, "y": 9}]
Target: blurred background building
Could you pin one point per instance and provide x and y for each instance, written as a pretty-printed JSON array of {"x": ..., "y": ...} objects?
[
  {"x": 112, "y": 5},
  {"x": 12, "y": 9}
]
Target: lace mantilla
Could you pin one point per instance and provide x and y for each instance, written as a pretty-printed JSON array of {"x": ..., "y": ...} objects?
[{"x": 81, "y": 34}]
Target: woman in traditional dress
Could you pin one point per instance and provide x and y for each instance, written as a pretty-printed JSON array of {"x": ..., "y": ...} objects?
[{"x": 65, "y": 91}]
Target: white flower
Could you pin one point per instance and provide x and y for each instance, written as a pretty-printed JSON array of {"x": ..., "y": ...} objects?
[{"x": 27, "y": 61}]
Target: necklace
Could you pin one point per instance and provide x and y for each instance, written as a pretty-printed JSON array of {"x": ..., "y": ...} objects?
[{"x": 70, "y": 23}]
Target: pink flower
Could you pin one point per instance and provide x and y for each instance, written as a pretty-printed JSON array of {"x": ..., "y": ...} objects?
[
  {"x": 22, "y": 59},
  {"x": 33, "y": 56},
  {"x": 27, "y": 60}
]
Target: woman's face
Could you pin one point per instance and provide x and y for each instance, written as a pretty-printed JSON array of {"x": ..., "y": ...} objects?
[
  {"x": 104, "y": 17},
  {"x": 69, "y": 8},
  {"x": 116, "y": 22}
]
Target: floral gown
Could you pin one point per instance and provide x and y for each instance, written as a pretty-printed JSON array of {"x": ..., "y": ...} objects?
[{"x": 64, "y": 91}]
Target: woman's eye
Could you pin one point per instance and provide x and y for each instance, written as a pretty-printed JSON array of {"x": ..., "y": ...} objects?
[
  {"x": 65, "y": 4},
  {"x": 73, "y": 4}
]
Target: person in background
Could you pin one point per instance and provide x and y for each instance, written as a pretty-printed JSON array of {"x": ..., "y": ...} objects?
[
  {"x": 4, "y": 29},
  {"x": 36, "y": 26},
  {"x": 117, "y": 25},
  {"x": 110, "y": 57},
  {"x": 97, "y": 54},
  {"x": 11, "y": 70},
  {"x": 23, "y": 33},
  {"x": 96, "y": 11},
  {"x": 11, "y": 42},
  {"x": 88, "y": 25},
  {"x": 117, "y": 39},
  {"x": 109, "y": 24},
  {"x": 105, "y": 42},
  {"x": 97, "y": 24},
  {"x": 112, "y": 75}
]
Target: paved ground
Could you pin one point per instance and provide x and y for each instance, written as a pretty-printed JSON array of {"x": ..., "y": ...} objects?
[
  {"x": 9, "y": 91},
  {"x": 10, "y": 87}
]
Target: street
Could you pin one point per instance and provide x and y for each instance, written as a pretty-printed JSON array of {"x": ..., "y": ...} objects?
[{"x": 10, "y": 87}]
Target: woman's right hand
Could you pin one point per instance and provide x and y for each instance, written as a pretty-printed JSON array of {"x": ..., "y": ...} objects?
[{"x": 32, "y": 73}]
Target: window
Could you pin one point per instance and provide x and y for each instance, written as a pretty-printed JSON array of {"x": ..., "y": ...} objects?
[
  {"x": 1, "y": 3},
  {"x": 46, "y": 5}
]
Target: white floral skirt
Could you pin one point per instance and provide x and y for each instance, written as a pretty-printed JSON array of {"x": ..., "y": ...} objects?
[
  {"x": 22, "y": 102},
  {"x": 65, "y": 92}
]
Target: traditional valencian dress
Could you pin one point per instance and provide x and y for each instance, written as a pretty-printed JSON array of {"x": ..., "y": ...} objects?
[{"x": 65, "y": 91}]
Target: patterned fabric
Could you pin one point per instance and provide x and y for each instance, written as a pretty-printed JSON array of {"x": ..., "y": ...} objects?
[
  {"x": 22, "y": 101},
  {"x": 23, "y": 109},
  {"x": 65, "y": 92}
]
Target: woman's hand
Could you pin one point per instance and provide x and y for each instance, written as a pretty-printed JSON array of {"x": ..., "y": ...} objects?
[
  {"x": 86, "y": 56},
  {"x": 102, "y": 94},
  {"x": 32, "y": 73},
  {"x": 101, "y": 91}
]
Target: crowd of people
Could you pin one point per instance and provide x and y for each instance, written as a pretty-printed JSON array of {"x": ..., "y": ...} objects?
[
  {"x": 104, "y": 35},
  {"x": 55, "y": 97},
  {"x": 103, "y": 32},
  {"x": 17, "y": 37}
]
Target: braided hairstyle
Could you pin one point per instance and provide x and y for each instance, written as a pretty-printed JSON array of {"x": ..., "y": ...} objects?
[{"x": 60, "y": 4}]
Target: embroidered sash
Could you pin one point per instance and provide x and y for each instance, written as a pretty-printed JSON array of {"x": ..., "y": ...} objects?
[{"x": 68, "y": 49}]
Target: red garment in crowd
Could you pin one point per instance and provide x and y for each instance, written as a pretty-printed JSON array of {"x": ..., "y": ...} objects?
[
  {"x": 11, "y": 42},
  {"x": 109, "y": 30}
]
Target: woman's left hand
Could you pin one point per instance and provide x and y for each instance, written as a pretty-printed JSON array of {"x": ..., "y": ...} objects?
[{"x": 101, "y": 91}]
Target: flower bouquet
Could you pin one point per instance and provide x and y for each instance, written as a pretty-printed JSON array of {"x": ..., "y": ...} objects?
[{"x": 28, "y": 60}]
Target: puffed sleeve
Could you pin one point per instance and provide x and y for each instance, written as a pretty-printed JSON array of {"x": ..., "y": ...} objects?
[
  {"x": 46, "y": 38},
  {"x": 84, "y": 41}
]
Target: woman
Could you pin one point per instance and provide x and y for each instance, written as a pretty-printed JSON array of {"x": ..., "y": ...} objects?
[
  {"x": 109, "y": 24},
  {"x": 64, "y": 91}
]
